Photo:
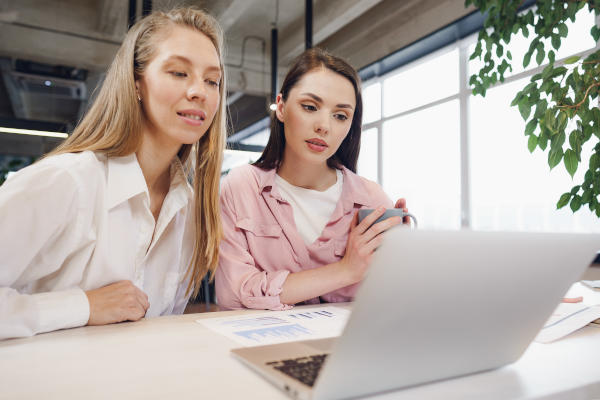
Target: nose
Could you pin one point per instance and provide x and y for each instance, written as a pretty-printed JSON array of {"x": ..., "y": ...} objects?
[
  {"x": 196, "y": 91},
  {"x": 322, "y": 124}
]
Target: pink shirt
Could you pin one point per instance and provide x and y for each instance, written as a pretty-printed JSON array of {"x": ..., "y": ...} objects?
[{"x": 261, "y": 245}]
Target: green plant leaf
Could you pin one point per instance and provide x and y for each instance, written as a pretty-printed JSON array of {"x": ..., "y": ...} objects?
[
  {"x": 563, "y": 201},
  {"x": 556, "y": 42},
  {"x": 570, "y": 160},
  {"x": 517, "y": 99},
  {"x": 532, "y": 143},
  {"x": 499, "y": 50},
  {"x": 563, "y": 31},
  {"x": 586, "y": 197},
  {"x": 527, "y": 58},
  {"x": 594, "y": 162},
  {"x": 561, "y": 123},
  {"x": 530, "y": 127},
  {"x": 575, "y": 203},
  {"x": 524, "y": 108},
  {"x": 554, "y": 156},
  {"x": 541, "y": 53},
  {"x": 572, "y": 59},
  {"x": 540, "y": 108},
  {"x": 543, "y": 141},
  {"x": 595, "y": 31},
  {"x": 549, "y": 120}
]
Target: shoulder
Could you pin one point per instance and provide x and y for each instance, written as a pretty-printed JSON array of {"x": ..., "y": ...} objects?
[
  {"x": 64, "y": 183},
  {"x": 245, "y": 177},
  {"x": 87, "y": 169},
  {"x": 74, "y": 167},
  {"x": 372, "y": 192},
  {"x": 75, "y": 163}
]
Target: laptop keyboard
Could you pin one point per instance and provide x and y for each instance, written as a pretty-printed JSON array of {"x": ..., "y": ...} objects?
[{"x": 303, "y": 369}]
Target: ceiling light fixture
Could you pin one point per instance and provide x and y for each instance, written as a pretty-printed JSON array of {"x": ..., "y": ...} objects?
[{"x": 33, "y": 132}]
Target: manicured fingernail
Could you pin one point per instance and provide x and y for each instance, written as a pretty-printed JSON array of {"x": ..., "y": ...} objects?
[{"x": 573, "y": 299}]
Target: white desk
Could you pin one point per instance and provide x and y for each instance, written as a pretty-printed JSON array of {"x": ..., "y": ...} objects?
[{"x": 177, "y": 358}]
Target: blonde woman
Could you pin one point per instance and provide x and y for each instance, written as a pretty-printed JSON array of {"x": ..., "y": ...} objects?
[{"x": 106, "y": 228}]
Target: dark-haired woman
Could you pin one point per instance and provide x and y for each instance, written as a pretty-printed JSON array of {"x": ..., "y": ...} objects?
[{"x": 290, "y": 222}]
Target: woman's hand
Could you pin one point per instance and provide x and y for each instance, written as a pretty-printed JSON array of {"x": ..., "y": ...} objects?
[
  {"x": 401, "y": 203},
  {"x": 117, "y": 302},
  {"x": 363, "y": 240}
]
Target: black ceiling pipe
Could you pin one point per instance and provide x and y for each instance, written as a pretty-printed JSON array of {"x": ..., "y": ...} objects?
[
  {"x": 308, "y": 19},
  {"x": 132, "y": 13},
  {"x": 146, "y": 7},
  {"x": 273, "y": 65}
]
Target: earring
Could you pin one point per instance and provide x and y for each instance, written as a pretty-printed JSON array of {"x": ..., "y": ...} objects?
[{"x": 139, "y": 98}]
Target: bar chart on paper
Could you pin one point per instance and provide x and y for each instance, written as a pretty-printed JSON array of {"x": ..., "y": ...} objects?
[{"x": 281, "y": 326}]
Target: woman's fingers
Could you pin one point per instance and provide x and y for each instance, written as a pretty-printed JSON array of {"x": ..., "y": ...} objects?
[
  {"x": 370, "y": 219},
  {"x": 117, "y": 302},
  {"x": 378, "y": 228}
]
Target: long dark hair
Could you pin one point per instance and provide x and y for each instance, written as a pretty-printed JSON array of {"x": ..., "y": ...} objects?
[{"x": 347, "y": 153}]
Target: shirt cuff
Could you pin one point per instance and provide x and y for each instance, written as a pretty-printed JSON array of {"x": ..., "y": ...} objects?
[
  {"x": 270, "y": 300},
  {"x": 62, "y": 309}
]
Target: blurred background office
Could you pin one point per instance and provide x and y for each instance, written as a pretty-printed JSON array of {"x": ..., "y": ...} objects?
[{"x": 460, "y": 160}]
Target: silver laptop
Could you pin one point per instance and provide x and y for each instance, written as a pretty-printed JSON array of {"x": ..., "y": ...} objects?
[{"x": 434, "y": 305}]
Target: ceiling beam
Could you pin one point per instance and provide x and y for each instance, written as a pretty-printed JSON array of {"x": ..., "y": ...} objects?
[
  {"x": 392, "y": 25},
  {"x": 55, "y": 48},
  {"x": 229, "y": 12},
  {"x": 328, "y": 17},
  {"x": 112, "y": 17}
]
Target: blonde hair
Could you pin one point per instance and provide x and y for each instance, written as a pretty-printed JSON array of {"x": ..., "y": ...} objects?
[{"x": 113, "y": 126}]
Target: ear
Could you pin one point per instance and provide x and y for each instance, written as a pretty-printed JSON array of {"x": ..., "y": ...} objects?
[{"x": 280, "y": 110}]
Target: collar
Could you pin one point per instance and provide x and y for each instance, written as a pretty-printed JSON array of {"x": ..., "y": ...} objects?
[
  {"x": 125, "y": 179},
  {"x": 354, "y": 190},
  {"x": 266, "y": 182}
]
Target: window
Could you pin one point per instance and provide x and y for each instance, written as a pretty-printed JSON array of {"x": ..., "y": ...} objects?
[
  {"x": 492, "y": 182},
  {"x": 421, "y": 158},
  {"x": 424, "y": 83},
  {"x": 367, "y": 159}
]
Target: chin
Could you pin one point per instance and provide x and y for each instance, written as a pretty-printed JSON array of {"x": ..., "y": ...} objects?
[{"x": 189, "y": 137}]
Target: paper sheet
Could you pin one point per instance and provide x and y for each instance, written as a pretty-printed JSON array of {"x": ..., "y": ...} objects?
[
  {"x": 569, "y": 317},
  {"x": 280, "y": 326}
]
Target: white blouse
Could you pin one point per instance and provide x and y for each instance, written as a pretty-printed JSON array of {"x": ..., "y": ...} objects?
[{"x": 76, "y": 222}]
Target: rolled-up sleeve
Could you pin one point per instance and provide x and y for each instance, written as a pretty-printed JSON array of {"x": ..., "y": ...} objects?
[{"x": 239, "y": 282}]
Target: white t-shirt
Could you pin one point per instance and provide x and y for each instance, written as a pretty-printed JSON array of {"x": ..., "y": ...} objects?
[
  {"x": 76, "y": 222},
  {"x": 312, "y": 208}
]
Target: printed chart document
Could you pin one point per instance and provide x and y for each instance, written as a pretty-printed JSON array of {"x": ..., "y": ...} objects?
[
  {"x": 569, "y": 317},
  {"x": 281, "y": 326}
]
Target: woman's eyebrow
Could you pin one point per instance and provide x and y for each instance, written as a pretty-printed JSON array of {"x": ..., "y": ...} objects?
[
  {"x": 178, "y": 58},
  {"x": 186, "y": 60},
  {"x": 320, "y": 100}
]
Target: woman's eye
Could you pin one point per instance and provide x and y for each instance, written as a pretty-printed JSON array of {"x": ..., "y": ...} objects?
[
  {"x": 212, "y": 83},
  {"x": 309, "y": 107},
  {"x": 340, "y": 117},
  {"x": 178, "y": 74}
]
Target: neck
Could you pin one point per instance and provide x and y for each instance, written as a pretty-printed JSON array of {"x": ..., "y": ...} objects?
[
  {"x": 309, "y": 176},
  {"x": 155, "y": 161}
]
